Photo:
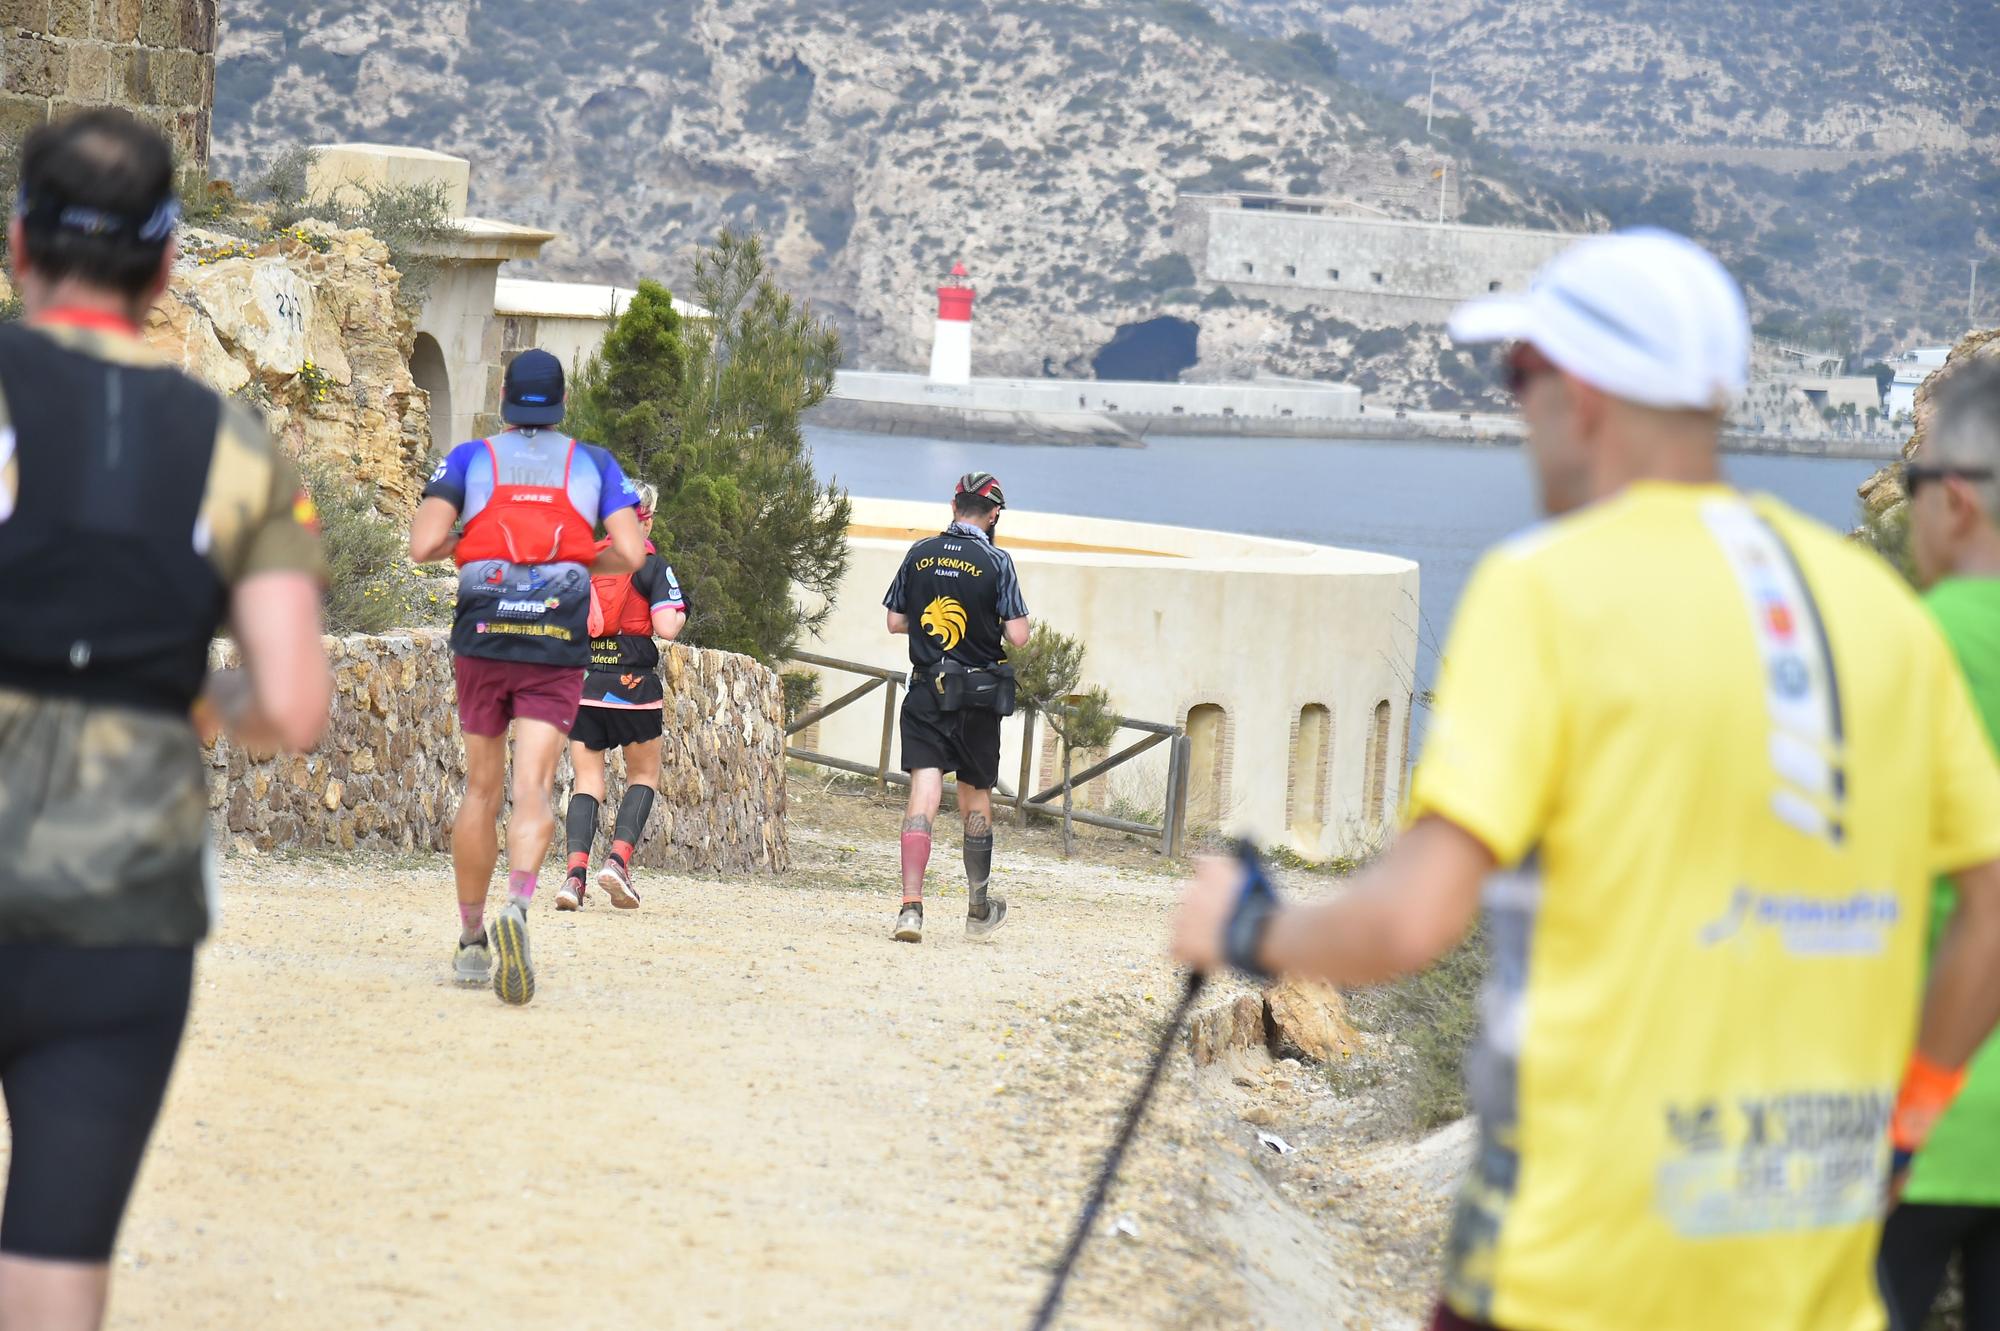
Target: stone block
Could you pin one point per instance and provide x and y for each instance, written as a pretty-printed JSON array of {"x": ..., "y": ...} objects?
[
  {"x": 36, "y": 68},
  {"x": 20, "y": 114},
  {"x": 93, "y": 74},
  {"x": 198, "y": 26},
  {"x": 138, "y": 76},
  {"x": 160, "y": 22},
  {"x": 177, "y": 79},
  {"x": 70, "y": 19},
  {"x": 27, "y": 15},
  {"x": 118, "y": 20}
]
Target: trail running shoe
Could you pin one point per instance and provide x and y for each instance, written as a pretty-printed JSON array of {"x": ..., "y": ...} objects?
[
  {"x": 910, "y": 924},
  {"x": 474, "y": 962},
  {"x": 571, "y": 894},
  {"x": 616, "y": 879},
  {"x": 514, "y": 977},
  {"x": 996, "y": 915}
]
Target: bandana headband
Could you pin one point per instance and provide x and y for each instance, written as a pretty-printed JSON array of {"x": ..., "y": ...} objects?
[{"x": 79, "y": 219}]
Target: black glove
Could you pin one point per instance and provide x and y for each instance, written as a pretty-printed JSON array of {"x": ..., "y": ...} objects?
[{"x": 1243, "y": 935}]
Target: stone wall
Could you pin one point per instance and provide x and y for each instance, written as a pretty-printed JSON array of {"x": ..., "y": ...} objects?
[
  {"x": 389, "y": 773},
  {"x": 154, "y": 57}
]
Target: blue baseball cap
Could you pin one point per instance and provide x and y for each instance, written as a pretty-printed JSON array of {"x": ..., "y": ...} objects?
[{"x": 533, "y": 391}]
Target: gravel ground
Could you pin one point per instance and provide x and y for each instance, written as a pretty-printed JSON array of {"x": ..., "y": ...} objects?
[{"x": 742, "y": 1105}]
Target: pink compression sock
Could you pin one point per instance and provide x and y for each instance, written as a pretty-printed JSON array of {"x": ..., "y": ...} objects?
[
  {"x": 471, "y": 919},
  {"x": 916, "y": 857},
  {"x": 521, "y": 887}
]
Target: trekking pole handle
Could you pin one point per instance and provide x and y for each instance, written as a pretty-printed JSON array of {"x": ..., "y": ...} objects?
[{"x": 1243, "y": 933}]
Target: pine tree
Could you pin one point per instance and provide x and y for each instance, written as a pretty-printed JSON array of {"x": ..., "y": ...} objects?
[
  {"x": 1047, "y": 673},
  {"x": 709, "y": 411}
]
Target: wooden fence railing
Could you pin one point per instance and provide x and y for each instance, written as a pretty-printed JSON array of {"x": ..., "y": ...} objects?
[{"x": 1170, "y": 832}]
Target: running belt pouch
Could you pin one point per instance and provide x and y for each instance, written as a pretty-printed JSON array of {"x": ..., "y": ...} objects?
[{"x": 961, "y": 688}]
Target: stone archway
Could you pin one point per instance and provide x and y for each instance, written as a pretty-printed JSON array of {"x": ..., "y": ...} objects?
[{"x": 427, "y": 367}]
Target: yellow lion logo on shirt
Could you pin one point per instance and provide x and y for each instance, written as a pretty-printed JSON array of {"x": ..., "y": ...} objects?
[{"x": 944, "y": 619}]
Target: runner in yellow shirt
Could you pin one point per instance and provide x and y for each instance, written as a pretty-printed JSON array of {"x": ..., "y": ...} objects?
[{"x": 1716, "y": 753}]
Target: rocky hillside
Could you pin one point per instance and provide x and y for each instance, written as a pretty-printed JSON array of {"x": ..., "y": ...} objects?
[
  {"x": 1887, "y": 74},
  {"x": 1689, "y": 113},
  {"x": 874, "y": 142}
]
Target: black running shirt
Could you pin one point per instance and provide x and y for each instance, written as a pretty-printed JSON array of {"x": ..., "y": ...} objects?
[{"x": 957, "y": 589}]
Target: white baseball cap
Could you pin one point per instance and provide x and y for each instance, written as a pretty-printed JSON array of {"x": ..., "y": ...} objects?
[{"x": 1644, "y": 315}]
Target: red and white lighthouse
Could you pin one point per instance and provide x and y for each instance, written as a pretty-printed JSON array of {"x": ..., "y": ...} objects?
[{"x": 951, "y": 349}]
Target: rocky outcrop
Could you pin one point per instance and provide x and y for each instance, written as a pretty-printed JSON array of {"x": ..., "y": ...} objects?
[
  {"x": 1289, "y": 1020},
  {"x": 1217, "y": 1031},
  {"x": 389, "y": 773},
  {"x": 1880, "y": 493},
  {"x": 306, "y": 325},
  {"x": 1309, "y": 1021}
]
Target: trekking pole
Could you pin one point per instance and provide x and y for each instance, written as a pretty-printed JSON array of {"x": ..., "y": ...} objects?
[
  {"x": 1256, "y": 883},
  {"x": 1045, "y": 1316}
]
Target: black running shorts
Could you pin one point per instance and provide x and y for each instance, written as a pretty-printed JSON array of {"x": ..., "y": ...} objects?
[
  {"x": 88, "y": 1037},
  {"x": 965, "y": 742},
  {"x": 601, "y": 728}
]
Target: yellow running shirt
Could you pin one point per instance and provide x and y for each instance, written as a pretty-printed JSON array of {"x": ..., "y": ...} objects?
[{"x": 1717, "y": 839}]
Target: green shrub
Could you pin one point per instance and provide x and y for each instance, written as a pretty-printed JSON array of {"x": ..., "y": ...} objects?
[{"x": 371, "y": 585}]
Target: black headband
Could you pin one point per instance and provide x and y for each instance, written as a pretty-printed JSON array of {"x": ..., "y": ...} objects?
[{"x": 46, "y": 214}]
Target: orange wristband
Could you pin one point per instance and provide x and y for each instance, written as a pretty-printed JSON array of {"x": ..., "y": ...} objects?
[{"x": 1928, "y": 1091}]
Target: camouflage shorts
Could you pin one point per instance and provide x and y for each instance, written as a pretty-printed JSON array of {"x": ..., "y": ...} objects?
[{"x": 103, "y": 825}]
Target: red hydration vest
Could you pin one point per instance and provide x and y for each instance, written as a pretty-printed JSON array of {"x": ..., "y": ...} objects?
[
  {"x": 528, "y": 524},
  {"x": 614, "y": 609}
]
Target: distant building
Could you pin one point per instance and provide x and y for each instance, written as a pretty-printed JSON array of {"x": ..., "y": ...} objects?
[
  {"x": 473, "y": 320},
  {"x": 1340, "y": 255},
  {"x": 1911, "y": 371}
]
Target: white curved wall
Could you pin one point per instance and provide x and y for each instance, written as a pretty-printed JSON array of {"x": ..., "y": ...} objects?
[{"x": 1173, "y": 619}]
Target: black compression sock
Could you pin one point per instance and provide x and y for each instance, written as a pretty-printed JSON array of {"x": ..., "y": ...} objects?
[
  {"x": 582, "y": 823},
  {"x": 633, "y": 811},
  {"x": 978, "y": 869}
]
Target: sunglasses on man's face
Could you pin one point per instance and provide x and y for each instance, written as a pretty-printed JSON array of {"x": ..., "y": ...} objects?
[
  {"x": 1522, "y": 367},
  {"x": 1916, "y": 475}
]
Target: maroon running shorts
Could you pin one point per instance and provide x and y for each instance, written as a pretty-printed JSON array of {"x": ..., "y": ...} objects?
[{"x": 492, "y": 693}]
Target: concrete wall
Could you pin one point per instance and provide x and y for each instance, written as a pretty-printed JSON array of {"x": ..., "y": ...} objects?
[
  {"x": 1121, "y": 398},
  {"x": 1367, "y": 267},
  {"x": 154, "y": 57},
  {"x": 366, "y": 167},
  {"x": 571, "y": 340},
  {"x": 390, "y": 771},
  {"x": 1177, "y": 620},
  {"x": 458, "y": 313}
]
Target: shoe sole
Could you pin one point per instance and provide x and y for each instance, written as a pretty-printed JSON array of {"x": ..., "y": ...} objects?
[
  {"x": 513, "y": 972},
  {"x": 905, "y": 934},
  {"x": 995, "y": 917},
  {"x": 622, "y": 895}
]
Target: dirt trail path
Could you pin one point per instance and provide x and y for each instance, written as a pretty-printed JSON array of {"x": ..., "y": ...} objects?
[{"x": 739, "y": 1106}]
